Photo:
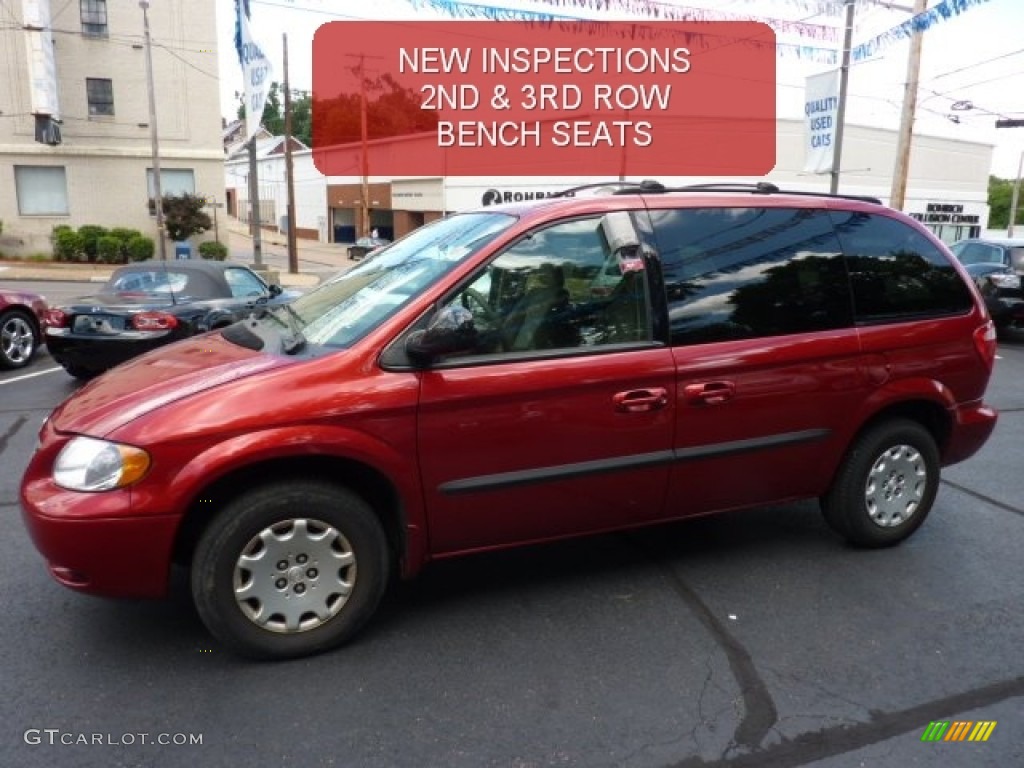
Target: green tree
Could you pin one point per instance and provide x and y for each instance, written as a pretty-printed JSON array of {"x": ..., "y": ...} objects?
[
  {"x": 1000, "y": 192},
  {"x": 391, "y": 110},
  {"x": 184, "y": 216},
  {"x": 274, "y": 115}
]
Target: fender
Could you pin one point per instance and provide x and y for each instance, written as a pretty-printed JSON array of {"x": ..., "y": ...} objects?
[
  {"x": 906, "y": 390},
  {"x": 173, "y": 492}
]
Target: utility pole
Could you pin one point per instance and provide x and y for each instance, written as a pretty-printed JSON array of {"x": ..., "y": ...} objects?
[
  {"x": 359, "y": 70},
  {"x": 1015, "y": 196},
  {"x": 289, "y": 169},
  {"x": 899, "y": 179},
  {"x": 254, "y": 207},
  {"x": 844, "y": 79},
  {"x": 364, "y": 223},
  {"x": 153, "y": 137}
]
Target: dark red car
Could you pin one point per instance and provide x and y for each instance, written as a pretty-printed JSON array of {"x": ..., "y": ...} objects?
[
  {"x": 21, "y": 323},
  {"x": 515, "y": 375}
]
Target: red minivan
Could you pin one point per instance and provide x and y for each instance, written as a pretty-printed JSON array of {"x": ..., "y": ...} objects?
[{"x": 520, "y": 374}]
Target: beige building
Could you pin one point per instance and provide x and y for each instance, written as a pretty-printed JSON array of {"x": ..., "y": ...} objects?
[
  {"x": 947, "y": 188},
  {"x": 89, "y": 85}
]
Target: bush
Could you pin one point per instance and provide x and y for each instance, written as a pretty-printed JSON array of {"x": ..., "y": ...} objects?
[
  {"x": 109, "y": 249},
  {"x": 140, "y": 248},
  {"x": 184, "y": 216},
  {"x": 124, "y": 236},
  {"x": 90, "y": 233},
  {"x": 213, "y": 250},
  {"x": 68, "y": 245}
]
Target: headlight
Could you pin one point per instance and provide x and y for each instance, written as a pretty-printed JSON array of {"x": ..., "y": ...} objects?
[{"x": 87, "y": 464}]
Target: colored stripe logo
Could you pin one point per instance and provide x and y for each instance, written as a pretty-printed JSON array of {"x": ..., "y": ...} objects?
[{"x": 959, "y": 730}]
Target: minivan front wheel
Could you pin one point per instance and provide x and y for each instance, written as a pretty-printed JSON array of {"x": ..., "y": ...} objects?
[
  {"x": 886, "y": 485},
  {"x": 290, "y": 570}
]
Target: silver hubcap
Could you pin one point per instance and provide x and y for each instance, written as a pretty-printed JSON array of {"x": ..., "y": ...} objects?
[
  {"x": 896, "y": 485},
  {"x": 17, "y": 340},
  {"x": 295, "y": 575}
]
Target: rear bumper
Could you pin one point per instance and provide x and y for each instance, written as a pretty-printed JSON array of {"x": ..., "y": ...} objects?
[
  {"x": 973, "y": 424},
  {"x": 98, "y": 353}
]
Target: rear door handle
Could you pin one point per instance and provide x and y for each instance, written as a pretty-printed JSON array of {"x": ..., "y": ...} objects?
[
  {"x": 641, "y": 400},
  {"x": 710, "y": 392}
]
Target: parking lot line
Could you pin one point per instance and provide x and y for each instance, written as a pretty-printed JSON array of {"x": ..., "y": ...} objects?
[{"x": 30, "y": 375}]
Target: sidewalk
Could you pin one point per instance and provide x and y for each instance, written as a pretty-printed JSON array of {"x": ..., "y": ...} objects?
[{"x": 317, "y": 261}]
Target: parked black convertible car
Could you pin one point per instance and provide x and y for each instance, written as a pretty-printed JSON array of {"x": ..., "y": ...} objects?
[{"x": 152, "y": 303}]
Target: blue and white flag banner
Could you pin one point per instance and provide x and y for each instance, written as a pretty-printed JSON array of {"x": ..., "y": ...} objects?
[
  {"x": 257, "y": 70},
  {"x": 594, "y": 27},
  {"x": 663, "y": 11},
  {"x": 944, "y": 11}
]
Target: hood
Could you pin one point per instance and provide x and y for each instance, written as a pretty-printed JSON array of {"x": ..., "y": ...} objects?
[{"x": 157, "y": 378}]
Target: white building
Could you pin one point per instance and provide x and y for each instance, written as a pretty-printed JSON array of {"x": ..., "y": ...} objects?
[
  {"x": 947, "y": 188},
  {"x": 78, "y": 69}
]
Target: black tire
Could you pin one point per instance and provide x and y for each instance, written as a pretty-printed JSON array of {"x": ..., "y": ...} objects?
[
  {"x": 314, "y": 520},
  {"x": 19, "y": 339},
  {"x": 886, "y": 485}
]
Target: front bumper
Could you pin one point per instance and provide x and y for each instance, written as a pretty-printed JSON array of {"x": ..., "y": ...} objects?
[
  {"x": 1006, "y": 308},
  {"x": 96, "y": 542}
]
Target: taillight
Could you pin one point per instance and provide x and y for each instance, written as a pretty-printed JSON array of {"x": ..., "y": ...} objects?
[
  {"x": 985, "y": 342},
  {"x": 1008, "y": 282},
  {"x": 154, "y": 321},
  {"x": 55, "y": 318}
]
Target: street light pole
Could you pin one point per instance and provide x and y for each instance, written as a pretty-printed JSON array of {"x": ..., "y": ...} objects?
[{"x": 153, "y": 136}]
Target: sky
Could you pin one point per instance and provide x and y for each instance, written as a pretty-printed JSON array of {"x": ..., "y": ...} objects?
[{"x": 971, "y": 74}]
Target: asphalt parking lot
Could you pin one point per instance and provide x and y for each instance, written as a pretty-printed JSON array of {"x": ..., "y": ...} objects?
[{"x": 753, "y": 639}]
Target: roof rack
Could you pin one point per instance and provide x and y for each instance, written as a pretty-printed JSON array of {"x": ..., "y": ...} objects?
[
  {"x": 652, "y": 187},
  {"x": 627, "y": 187},
  {"x": 758, "y": 188}
]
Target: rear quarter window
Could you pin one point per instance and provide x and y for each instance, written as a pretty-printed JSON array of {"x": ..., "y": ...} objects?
[{"x": 895, "y": 271}]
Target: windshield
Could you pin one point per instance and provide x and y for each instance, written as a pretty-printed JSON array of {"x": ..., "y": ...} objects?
[{"x": 350, "y": 305}]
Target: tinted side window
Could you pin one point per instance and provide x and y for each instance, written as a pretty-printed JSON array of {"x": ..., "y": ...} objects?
[
  {"x": 560, "y": 287},
  {"x": 895, "y": 271},
  {"x": 739, "y": 273}
]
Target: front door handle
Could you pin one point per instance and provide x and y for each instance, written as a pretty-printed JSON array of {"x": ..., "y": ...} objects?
[
  {"x": 710, "y": 392},
  {"x": 640, "y": 400}
]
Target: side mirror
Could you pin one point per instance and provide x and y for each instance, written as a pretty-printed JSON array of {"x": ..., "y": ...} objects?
[
  {"x": 450, "y": 331},
  {"x": 276, "y": 290}
]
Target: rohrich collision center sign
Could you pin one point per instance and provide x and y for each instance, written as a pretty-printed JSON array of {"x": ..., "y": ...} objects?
[{"x": 557, "y": 98}]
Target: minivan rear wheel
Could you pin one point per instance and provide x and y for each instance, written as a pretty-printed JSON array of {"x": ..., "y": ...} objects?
[
  {"x": 886, "y": 485},
  {"x": 290, "y": 570}
]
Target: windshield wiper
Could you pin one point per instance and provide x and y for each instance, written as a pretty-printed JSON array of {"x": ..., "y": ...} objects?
[{"x": 296, "y": 341}]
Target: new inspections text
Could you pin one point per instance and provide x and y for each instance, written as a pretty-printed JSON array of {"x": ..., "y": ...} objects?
[{"x": 616, "y": 95}]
